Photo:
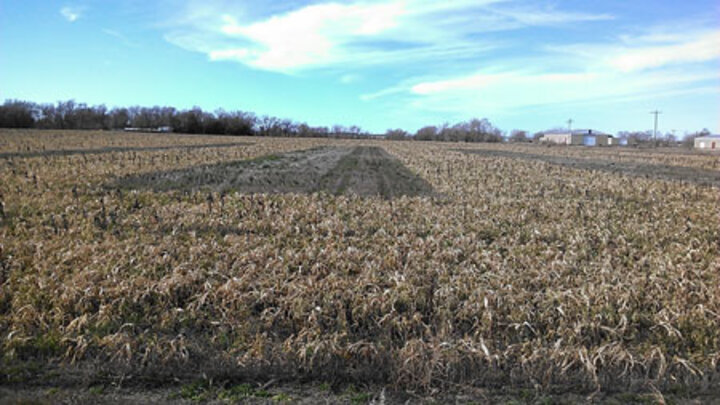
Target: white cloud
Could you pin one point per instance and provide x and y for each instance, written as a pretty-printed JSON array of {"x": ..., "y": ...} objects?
[
  {"x": 310, "y": 36},
  {"x": 229, "y": 54},
  {"x": 350, "y": 78},
  {"x": 449, "y": 56},
  {"x": 71, "y": 14},
  {"x": 654, "y": 50},
  {"x": 385, "y": 92},
  {"x": 701, "y": 47},
  {"x": 120, "y": 37},
  {"x": 640, "y": 67},
  {"x": 333, "y": 34},
  {"x": 476, "y": 81},
  {"x": 510, "y": 91},
  {"x": 548, "y": 17}
]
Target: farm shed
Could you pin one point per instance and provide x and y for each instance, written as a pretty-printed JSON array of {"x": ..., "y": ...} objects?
[
  {"x": 709, "y": 142},
  {"x": 605, "y": 140},
  {"x": 164, "y": 129},
  {"x": 563, "y": 138},
  {"x": 587, "y": 137}
]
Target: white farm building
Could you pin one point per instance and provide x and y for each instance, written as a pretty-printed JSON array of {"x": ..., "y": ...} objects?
[
  {"x": 587, "y": 137},
  {"x": 709, "y": 142}
]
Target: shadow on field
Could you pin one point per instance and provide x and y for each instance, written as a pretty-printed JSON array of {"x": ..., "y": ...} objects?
[
  {"x": 114, "y": 149},
  {"x": 361, "y": 170},
  {"x": 637, "y": 169}
]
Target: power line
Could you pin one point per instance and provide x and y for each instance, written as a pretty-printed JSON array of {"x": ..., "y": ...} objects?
[{"x": 656, "y": 113}]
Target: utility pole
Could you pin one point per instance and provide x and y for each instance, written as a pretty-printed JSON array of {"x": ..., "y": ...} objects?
[
  {"x": 656, "y": 113},
  {"x": 569, "y": 122}
]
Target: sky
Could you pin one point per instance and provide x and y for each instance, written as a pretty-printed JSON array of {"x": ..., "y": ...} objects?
[{"x": 529, "y": 65}]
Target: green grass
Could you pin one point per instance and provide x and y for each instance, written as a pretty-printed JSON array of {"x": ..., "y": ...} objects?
[
  {"x": 197, "y": 391},
  {"x": 201, "y": 391},
  {"x": 266, "y": 158},
  {"x": 241, "y": 391},
  {"x": 356, "y": 396},
  {"x": 361, "y": 398}
]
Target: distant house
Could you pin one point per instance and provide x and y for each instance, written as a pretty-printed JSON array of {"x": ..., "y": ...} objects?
[
  {"x": 587, "y": 137},
  {"x": 153, "y": 130},
  {"x": 708, "y": 142}
]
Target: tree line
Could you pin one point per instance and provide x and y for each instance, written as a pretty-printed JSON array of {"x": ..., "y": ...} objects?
[
  {"x": 474, "y": 130},
  {"x": 71, "y": 115}
]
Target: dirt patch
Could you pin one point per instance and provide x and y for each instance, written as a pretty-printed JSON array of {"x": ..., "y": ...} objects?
[
  {"x": 114, "y": 149},
  {"x": 361, "y": 170},
  {"x": 646, "y": 170},
  {"x": 372, "y": 171}
]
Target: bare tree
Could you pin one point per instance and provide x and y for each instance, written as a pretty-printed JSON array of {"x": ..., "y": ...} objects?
[
  {"x": 428, "y": 133},
  {"x": 518, "y": 135},
  {"x": 17, "y": 114},
  {"x": 396, "y": 134}
]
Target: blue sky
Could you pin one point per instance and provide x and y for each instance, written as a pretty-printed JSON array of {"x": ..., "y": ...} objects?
[{"x": 377, "y": 64}]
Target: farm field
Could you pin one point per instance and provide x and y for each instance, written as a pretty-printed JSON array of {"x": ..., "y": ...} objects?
[
  {"x": 693, "y": 171},
  {"x": 424, "y": 269}
]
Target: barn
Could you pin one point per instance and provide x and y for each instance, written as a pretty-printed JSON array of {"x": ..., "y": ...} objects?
[
  {"x": 587, "y": 137},
  {"x": 709, "y": 142}
]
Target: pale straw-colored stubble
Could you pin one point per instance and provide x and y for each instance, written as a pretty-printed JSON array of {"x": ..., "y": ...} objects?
[{"x": 516, "y": 271}]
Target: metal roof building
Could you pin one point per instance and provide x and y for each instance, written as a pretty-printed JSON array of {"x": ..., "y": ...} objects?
[
  {"x": 709, "y": 142},
  {"x": 587, "y": 137}
]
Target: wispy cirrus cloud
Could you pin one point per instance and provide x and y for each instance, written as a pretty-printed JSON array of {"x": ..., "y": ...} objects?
[
  {"x": 350, "y": 78},
  {"x": 71, "y": 13},
  {"x": 704, "y": 48},
  {"x": 655, "y": 50},
  {"x": 519, "y": 89},
  {"x": 120, "y": 37},
  {"x": 645, "y": 66},
  {"x": 459, "y": 58},
  {"x": 331, "y": 34}
]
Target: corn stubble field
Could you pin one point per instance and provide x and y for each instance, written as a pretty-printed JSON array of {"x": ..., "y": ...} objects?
[{"x": 420, "y": 267}]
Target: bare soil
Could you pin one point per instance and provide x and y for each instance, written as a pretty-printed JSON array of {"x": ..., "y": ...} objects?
[
  {"x": 113, "y": 149},
  {"x": 654, "y": 171},
  {"x": 372, "y": 171},
  {"x": 361, "y": 170}
]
